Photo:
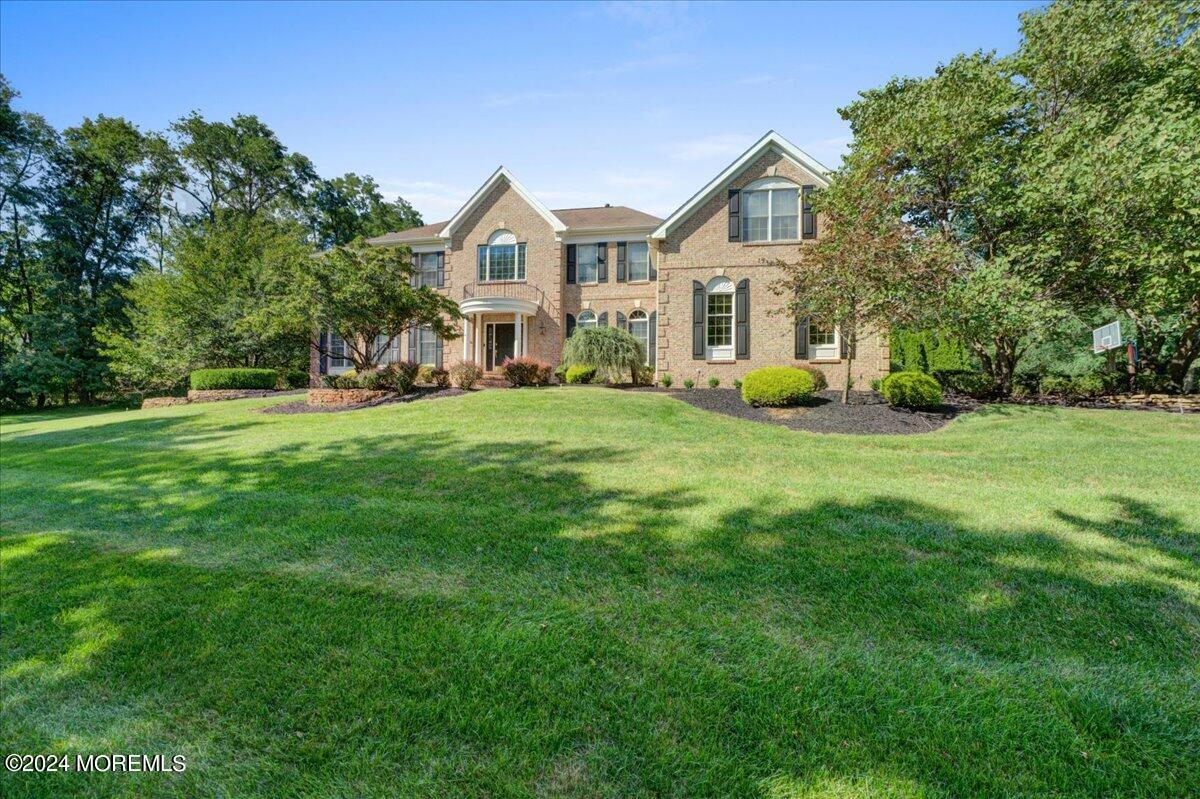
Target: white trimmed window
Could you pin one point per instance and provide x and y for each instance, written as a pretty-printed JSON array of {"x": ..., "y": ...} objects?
[
  {"x": 823, "y": 342},
  {"x": 427, "y": 345},
  {"x": 586, "y": 263},
  {"x": 337, "y": 352},
  {"x": 771, "y": 210},
  {"x": 639, "y": 328},
  {"x": 585, "y": 319},
  {"x": 719, "y": 319},
  {"x": 637, "y": 256},
  {"x": 502, "y": 258},
  {"x": 427, "y": 269}
]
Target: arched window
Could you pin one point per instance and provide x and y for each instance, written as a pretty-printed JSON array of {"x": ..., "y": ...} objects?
[
  {"x": 585, "y": 319},
  {"x": 639, "y": 328},
  {"x": 502, "y": 258},
  {"x": 719, "y": 319},
  {"x": 771, "y": 210}
]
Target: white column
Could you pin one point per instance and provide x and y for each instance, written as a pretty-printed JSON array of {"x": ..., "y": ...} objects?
[
  {"x": 467, "y": 327},
  {"x": 517, "y": 348},
  {"x": 525, "y": 336},
  {"x": 478, "y": 339}
]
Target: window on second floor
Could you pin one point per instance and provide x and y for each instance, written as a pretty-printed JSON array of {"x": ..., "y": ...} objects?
[
  {"x": 427, "y": 269},
  {"x": 637, "y": 253},
  {"x": 586, "y": 263},
  {"x": 502, "y": 258},
  {"x": 771, "y": 211}
]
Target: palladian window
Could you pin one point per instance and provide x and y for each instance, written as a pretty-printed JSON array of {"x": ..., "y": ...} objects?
[
  {"x": 639, "y": 328},
  {"x": 771, "y": 210},
  {"x": 502, "y": 258},
  {"x": 719, "y": 319}
]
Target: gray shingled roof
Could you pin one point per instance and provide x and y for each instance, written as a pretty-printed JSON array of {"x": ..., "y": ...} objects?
[{"x": 601, "y": 217}]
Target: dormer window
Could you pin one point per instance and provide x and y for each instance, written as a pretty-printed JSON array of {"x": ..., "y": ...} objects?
[
  {"x": 502, "y": 258},
  {"x": 771, "y": 210}
]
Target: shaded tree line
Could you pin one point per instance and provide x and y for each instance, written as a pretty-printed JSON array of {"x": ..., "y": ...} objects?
[
  {"x": 129, "y": 258},
  {"x": 1006, "y": 201}
]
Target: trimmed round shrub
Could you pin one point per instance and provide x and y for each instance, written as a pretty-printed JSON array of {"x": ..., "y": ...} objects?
[
  {"x": 376, "y": 380},
  {"x": 911, "y": 390},
  {"x": 667, "y": 380},
  {"x": 776, "y": 386},
  {"x": 292, "y": 378},
  {"x": 526, "y": 371},
  {"x": 713, "y": 382},
  {"x": 580, "y": 373},
  {"x": 217, "y": 379},
  {"x": 403, "y": 374},
  {"x": 466, "y": 374},
  {"x": 820, "y": 382}
]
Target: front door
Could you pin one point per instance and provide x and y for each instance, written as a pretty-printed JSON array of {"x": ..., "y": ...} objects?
[{"x": 500, "y": 337}]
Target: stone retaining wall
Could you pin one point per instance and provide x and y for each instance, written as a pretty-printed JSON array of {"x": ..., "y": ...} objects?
[
  {"x": 344, "y": 396},
  {"x": 164, "y": 402},
  {"x": 217, "y": 395}
]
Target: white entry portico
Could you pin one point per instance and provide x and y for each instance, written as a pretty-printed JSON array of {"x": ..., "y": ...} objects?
[{"x": 486, "y": 337}]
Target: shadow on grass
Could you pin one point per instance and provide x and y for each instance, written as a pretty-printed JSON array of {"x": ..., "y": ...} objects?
[{"x": 417, "y": 614}]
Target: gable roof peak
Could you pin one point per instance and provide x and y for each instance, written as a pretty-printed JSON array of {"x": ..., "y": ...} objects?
[
  {"x": 771, "y": 138},
  {"x": 501, "y": 173}
]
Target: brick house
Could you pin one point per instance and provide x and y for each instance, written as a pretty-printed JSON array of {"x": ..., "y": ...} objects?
[{"x": 694, "y": 288}]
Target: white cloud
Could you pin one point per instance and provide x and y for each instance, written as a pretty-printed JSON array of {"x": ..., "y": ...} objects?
[
  {"x": 720, "y": 145},
  {"x": 653, "y": 14}
]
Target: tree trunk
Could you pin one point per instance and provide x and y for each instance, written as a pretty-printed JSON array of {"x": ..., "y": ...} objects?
[{"x": 851, "y": 351}]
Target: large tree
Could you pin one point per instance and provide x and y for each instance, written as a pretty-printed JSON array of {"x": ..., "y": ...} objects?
[
  {"x": 345, "y": 208},
  {"x": 216, "y": 303},
  {"x": 240, "y": 166},
  {"x": 864, "y": 274},
  {"x": 365, "y": 295},
  {"x": 1112, "y": 171},
  {"x": 102, "y": 189}
]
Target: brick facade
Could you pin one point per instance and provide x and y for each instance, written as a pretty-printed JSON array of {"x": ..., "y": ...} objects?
[{"x": 696, "y": 249}]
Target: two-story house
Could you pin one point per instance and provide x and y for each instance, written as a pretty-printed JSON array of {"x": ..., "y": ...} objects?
[{"x": 695, "y": 288}]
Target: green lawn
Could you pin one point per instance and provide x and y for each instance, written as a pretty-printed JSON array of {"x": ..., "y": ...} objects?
[{"x": 578, "y": 592}]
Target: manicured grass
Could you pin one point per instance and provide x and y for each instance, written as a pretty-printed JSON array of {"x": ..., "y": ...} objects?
[{"x": 577, "y": 592}]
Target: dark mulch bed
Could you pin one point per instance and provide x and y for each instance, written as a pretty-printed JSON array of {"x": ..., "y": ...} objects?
[
  {"x": 418, "y": 393},
  {"x": 867, "y": 412}
]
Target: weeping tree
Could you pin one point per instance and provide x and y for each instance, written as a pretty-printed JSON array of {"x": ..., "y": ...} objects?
[{"x": 612, "y": 352}]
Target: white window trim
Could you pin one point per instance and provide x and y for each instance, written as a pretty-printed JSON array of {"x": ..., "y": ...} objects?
[
  {"x": 593, "y": 321},
  {"x": 770, "y": 186},
  {"x": 645, "y": 317},
  {"x": 722, "y": 352},
  {"x": 825, "y": 352},
  {"x": 504, "y": 238},
  {"x": 596, "y": 250},
  {"x": 629, "y": 263}
]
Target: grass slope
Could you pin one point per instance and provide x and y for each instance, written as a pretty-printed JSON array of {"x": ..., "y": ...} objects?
[{"x": 577, "y": 592}]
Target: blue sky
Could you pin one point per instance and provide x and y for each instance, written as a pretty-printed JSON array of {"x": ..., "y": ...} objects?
[{"x": 635, "y": 104}]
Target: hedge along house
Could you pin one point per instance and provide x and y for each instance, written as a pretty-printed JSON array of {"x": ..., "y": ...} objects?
[{"x": 694, "y": 288}]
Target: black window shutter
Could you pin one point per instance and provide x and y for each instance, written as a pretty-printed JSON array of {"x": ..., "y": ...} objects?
[
  {"x": 735, "y": 215},
  {"x": 322, "y": 355},
  {"x": 570, "y": 265},
  {"x": 809, "y": 230},
  {"x": 481, "y": 261},
  {"x": 802, "y": 338},
  {"x": 414, "y": 279},
  {"x": 570, "y": 325},
  {"x": 620, "y": 262},
  {"x": 845, "y": 344},
  {"x": 437, "y": 360},
  {"x": 412, "y": 343},
  {"x": 650, "y": 258},
  {"x": 441, "y": 279},
  {"x": 741, "y": 317},
  {"x": 653, "y": 338},
  {"x": 602, "y": 319},
  {"x": 602, "y": 262},
  {"x": 621, "y": 320},
  {"x": 697, "y": 320}
]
